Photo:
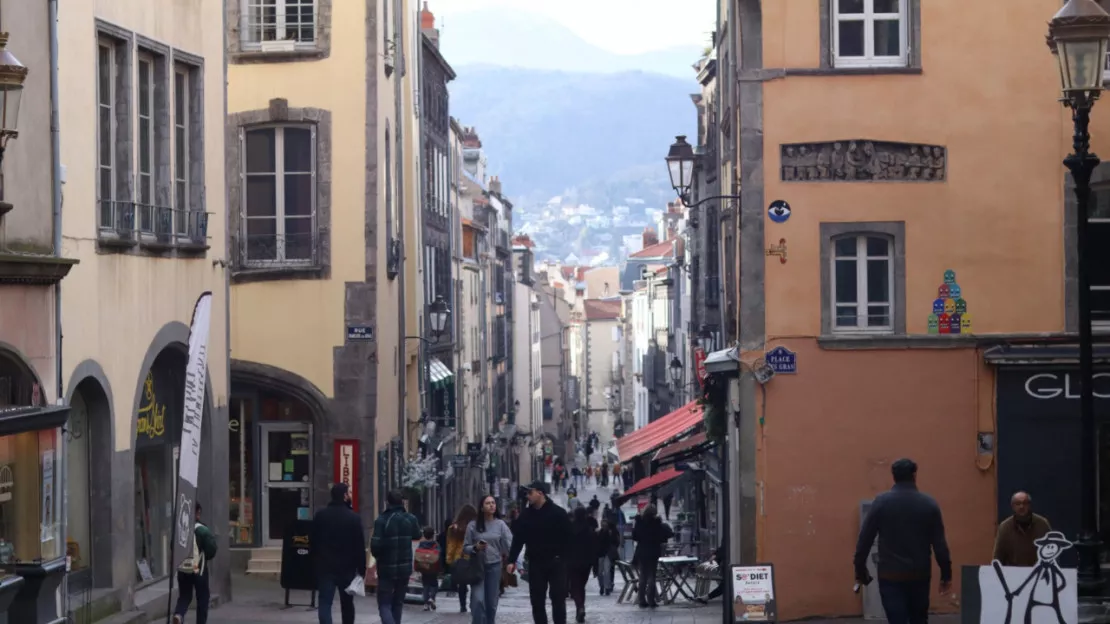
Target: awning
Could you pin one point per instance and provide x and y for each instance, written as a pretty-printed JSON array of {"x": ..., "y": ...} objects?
[
  {"x": 439, "y": 373},
  {"x": 690, "y": 446},
  {"x": 723, "y": 361},
  {"x": 655, "y": 434},
  {"x": 648, "y": 484},
  {"x": 20, "y": 419}
]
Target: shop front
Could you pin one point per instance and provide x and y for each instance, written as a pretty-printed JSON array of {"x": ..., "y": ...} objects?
[
  {"x": 271, "y": 466},
  {"x": 1038, "y": 440},
  {"x": 32, "y": 546}
]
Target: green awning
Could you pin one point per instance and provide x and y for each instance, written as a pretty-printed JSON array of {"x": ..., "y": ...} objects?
[{"x": 439, "y": 375}]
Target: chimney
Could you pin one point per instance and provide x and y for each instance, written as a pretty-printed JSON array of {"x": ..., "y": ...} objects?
[
  {"x": 495, "y": 185},
  {"x": 428, "y": 25},
  {"x": 650, "y": 237}
]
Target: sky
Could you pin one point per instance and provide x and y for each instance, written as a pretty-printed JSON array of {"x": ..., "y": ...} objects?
[{"x": 621, "y": 26}]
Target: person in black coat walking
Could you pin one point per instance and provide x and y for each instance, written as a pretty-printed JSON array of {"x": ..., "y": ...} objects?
[
  {"x": 650, "y": 533},
  {"x": 338, "y": 547},
  {"x": 581, "y": 558}
]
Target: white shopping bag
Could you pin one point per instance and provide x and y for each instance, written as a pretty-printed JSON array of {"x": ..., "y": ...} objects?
[{"x": 357, "y": 587}]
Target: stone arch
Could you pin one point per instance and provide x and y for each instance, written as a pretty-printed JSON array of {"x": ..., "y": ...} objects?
[
  {"x": 16, "y": 357},
  {"x": 90, "y": 384},
  {"x": 282, "y": 381}
]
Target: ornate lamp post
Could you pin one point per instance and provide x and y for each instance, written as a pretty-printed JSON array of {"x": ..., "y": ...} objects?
[
  {"x": 1078, "y": 36},
  {"x": 12, "y": 75},
  {"x": 438, "y": 315}
]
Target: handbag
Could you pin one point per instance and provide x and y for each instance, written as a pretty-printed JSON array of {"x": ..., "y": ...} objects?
[
  {"x": 507, "y": 579},
  {"x": 467, "y": 570}
]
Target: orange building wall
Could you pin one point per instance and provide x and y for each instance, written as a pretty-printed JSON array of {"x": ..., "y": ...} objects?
[{"x": 830, "y": 435}]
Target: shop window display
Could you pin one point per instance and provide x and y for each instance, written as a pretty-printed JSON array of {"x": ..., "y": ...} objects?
[
  {"x": 156, "y": 454},
  {"x": 30, "y": 529}
]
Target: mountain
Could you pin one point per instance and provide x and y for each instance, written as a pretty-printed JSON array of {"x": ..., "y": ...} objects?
[
  {"x": 597, "y": 138},
  {"x": 527, "y": 40}
]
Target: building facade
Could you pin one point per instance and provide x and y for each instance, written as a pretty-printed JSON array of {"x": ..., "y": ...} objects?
[
  {"x": 527, "y": 380},
  {"x": 556, "y": 404},
  {"x": 142, "y": 166},
  {"x": 601, "y": 361},
  {"x": 34, "y": 530},
  {"x": 868, "y": 292},
  {"x": 326, "y": 402}
]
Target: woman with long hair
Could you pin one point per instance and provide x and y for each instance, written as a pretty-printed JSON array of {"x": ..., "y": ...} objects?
[
  {"x": 456, "y": 536},
  {"x": 489, "y": 538},
  {"x": 580, "y": 559},
  {"x": 650, "y": 533}
]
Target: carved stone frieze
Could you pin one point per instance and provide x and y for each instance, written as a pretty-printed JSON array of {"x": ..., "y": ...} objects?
[{"x": 860, "y": 160}]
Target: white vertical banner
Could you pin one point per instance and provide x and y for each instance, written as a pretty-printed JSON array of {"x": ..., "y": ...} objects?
[{"x": 191, "y": 422}]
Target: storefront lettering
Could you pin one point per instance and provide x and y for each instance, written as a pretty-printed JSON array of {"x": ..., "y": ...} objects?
[
  {"x": 233, "y": 425},
  {"x": 1049, "y": 386},
  {"x": 152, "y": 416}
]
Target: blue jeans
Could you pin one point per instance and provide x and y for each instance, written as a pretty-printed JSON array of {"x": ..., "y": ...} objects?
[
  {"x": 431, "y": 586},
  {"x": 391, "y": 599},
  {"x": 485, "y": 595},
  {"x": 327, "y": 587},
  {"x": 905, "y": 602}
]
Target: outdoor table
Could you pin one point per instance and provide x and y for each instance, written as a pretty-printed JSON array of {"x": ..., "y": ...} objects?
[{"x": 674, "y": 574}]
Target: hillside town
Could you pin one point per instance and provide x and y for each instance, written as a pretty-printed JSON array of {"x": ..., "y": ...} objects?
[{"x": 272, "y": 349}]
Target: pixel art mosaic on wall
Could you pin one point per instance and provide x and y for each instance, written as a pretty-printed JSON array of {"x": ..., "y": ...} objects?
[{"x": 950, "y": 315}]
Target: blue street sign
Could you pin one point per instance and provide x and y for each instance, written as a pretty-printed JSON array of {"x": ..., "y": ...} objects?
[
  {"x": 360, "y": 333},
  {"x": 782, "y": 360}
]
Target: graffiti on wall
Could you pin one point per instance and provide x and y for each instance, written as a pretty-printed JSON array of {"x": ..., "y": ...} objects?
[{"x": 950, "y": 315}]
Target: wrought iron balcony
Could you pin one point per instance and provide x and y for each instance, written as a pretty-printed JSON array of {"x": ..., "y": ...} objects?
[
  {"x": 267, "y": 251},
  {"x": 125, "y": 223}
]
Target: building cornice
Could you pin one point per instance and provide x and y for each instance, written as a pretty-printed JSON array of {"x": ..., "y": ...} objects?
[{"x": 34, "y": 269}]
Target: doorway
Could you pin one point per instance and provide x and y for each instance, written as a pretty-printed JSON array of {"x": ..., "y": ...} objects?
[{"x": 287, "y": 470}]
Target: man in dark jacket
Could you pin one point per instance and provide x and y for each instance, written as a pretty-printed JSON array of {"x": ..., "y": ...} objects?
[
  {"x": 908, "y": 524},
  {"x": 394, "y": 532},
  {"x": 544, "y": 528},
  {"x": 338, "y": 547},
  {"x": 649, "y": 533},
  {"x": 1014, "y": 545}
]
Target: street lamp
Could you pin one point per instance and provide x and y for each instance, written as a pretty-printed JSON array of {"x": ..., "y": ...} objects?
[
  {"x": 12, "y": 75},
  {"x": 676, "y": 371},
  {"x": 1078, "y": 35},
  {"x": 439, "y": 313},
  {"x": 680, "y": 164},
  {"x": 705, "y": 339}
]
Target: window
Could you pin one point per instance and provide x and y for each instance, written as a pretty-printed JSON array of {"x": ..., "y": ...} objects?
[
  {"x": 30, "y": 505},
  {"x": 862, "y": 278},
  {"x": 279, "y": 195},
  {"x": 106, "y": 132},
  {"x": 870, "y": 33},
  {"x": 1098, "y": 230},
  {"x": 290, "y": 21},
  {"x": 146, "y": 138},
  {"x": 182, "y": 152}
]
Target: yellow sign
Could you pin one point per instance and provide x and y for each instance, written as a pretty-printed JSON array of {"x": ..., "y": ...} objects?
[{"x": 152, "y": 416}]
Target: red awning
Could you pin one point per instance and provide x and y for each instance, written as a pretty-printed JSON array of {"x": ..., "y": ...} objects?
[
  {"x": 656, "y": 434},
  {"x": 650, "y": 483},
  {"x": 681, "y": 446}
]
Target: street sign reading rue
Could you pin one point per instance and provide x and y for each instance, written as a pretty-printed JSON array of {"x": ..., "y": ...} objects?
[
  {"x": 360, "y": 332},
  {"x": 782, "y": 360}
]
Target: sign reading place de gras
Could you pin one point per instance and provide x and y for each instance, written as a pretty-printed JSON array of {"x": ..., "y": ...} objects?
[
  {"x": 782, "y": 360},
  {"x": 753, "y": 594},
  {"x": 1042, "y": 594},
  {"x": 861, "y": 160}
]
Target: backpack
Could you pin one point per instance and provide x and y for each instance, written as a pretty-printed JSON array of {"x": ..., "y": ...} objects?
[
  {"x": 193, "y": 564},
  {"x": 426, "y": 560}
]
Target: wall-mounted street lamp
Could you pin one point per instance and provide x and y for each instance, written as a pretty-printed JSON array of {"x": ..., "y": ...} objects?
[
  {"x": 439, "y": 313},
  {"x": 680, "y": 166},
  {"x": 676, "y": 371},
  {"x": 12, "y": 75},
  {"x": 1078, "y": 36},
  {"x": 706, "y": 340}
]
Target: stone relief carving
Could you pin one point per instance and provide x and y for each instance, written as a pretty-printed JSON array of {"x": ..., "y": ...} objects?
[{"x": 860, "y": 160}]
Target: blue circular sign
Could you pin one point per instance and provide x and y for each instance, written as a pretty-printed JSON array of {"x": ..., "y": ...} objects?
[{"x": 778, "y": 211}]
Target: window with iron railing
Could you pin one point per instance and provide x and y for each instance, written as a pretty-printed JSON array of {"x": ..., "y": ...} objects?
[{"x": 279, "y": 202}]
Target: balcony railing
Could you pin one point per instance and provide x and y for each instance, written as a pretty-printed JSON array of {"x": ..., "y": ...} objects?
[
  {"x": 125, "y": 223},
  {"x": 271, "y": 251}
]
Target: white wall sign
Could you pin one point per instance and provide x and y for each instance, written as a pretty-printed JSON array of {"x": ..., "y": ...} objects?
[{"x": 1042, "y": 594}]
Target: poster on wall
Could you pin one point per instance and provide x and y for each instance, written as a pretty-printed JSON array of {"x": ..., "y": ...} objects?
[
  {"x": 47, "y": 495},
  {"x": 753, "y": 593},
  {"x": 346, "y": 467},
  {"x": 196, "y": 375},
  {"x": 299, "y": 442}
]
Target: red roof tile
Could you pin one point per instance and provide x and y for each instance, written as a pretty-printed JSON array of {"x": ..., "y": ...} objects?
[
  {"x": 655, "y": 434},
  {"x": 665, "y": 249},
  {"x": 602, "y": 309}
]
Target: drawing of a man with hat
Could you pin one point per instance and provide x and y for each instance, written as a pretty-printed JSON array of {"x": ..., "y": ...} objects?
[{"x": 1045, "y": 582}]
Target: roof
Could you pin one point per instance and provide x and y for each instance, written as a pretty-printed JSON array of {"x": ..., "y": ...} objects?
[
  {"x": 652, "y": 482},
  {"x": 665, "y": 249},
  {"x": 672, "y": 451},
  {"x": 567, "y": 271},
  {"x": 602, "y": 309},
  {"x": 655, "y": 434}
]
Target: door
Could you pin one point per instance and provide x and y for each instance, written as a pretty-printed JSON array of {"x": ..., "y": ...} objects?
[{"x": 287, "y": 471}]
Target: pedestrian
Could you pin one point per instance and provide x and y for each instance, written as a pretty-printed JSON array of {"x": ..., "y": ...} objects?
[
  {"x": 605, "y": 474},
  {"x": 429, "y": 574},
  {"x": 594, "y": 503},
  {"x": 441, "y": 541},
  {"x": 576, "y": 476},
  {"x": 581, "y": 557},
  {"x": 394, "y": 532},
  {"x": 908, "y": 524},
  {"x": 456, "y": 537},
  {"x": 487, "y": 537},
  {"x": 608, "y": 546},
  {"x": 589, "y": 474},
  {"x": 1014, "y": 545},
  {"x": 338, "y": 552},
  {"x": 667, "y": 500},
  {"x": 192, "y": 574},
  {"x": 616, "y": 474},
  {"x": 650, "y": 533},
  {"x": 544, "y": 529}
]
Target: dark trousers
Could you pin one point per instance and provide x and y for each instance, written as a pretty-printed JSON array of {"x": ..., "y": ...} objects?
[
  {"x": 462, "y": 588},
  {"x": 905, "y": 602},
  {"x": 328, "y": 586},
  {"x": 548, "y": 577},
  {"x": 188, "y": 584},
  {"x": 647, "y": 587},
  {"x": 391, "y": 599},
  {"x": 577, "y": 578}
]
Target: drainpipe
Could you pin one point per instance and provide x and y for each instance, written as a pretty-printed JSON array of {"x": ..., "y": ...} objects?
[
  {"x": 224, "y": 582},
  {"x": 398, "y": 136},
  {"x": 56, "y": 200}
]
